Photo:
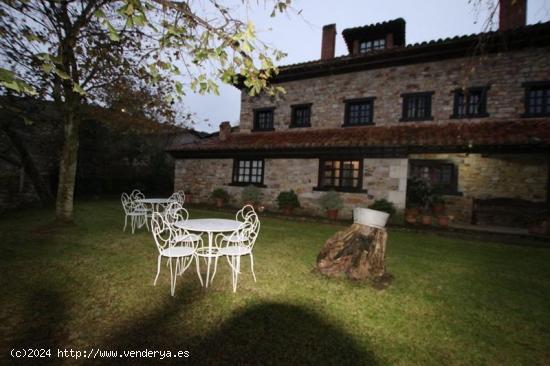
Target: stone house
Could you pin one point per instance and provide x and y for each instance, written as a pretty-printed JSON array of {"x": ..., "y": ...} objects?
[{"x": 468, "y": 114}]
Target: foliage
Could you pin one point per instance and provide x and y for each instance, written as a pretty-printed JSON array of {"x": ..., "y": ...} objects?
[
  {"x": 220, "y": 193},
  {"x": 384, "y": 206},
  {"x": 82, "y": 52},
  {"x": 331, "y": 200},
  {"x": 288, "y": 199},
  {"x": 252, "y": 194},
  {"x": 419, "y": 193}
]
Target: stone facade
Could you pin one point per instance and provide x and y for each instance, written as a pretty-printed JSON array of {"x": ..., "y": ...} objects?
[
  {"x": 523, "y": 176},
  {"x": 382, "y": 178},
  {"x": 504, "y": 73},
  {"x": 479, "y": 176}
]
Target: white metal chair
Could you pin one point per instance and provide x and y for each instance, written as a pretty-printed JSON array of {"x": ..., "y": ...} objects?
[
  {"x": 244, "y": 212},
  {"x": 136, "y": 194},
  {"x": 237, "y": 244},
  {"x": 180, "y": 196},
  {"x": 184, "y": 250},
  {"x": 136, "y": 212}
]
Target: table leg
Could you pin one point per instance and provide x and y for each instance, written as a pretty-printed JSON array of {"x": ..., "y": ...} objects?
[{"x": 210, "y": 235}]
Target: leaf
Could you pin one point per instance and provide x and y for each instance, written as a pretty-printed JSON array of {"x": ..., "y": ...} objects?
[
  {"x": 47, "y": 67},
  {"x": 62, "y": 74},
  {"x": 77, "y": 88}
]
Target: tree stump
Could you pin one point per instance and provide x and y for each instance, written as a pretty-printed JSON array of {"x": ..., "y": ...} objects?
[{"x": 358, "y": 252}]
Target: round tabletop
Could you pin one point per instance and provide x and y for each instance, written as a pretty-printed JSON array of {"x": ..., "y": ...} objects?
[
  {"x": 209, "y": 225},
  {"x": 155, "y": 200}
]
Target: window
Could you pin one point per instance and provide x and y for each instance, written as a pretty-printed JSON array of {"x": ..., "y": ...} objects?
[
  {"x": 248, "y": 172},
  {"x": 440, "y": 174},
  {"x": 417, "y": 106},
  {"x": 470, "y": 103},
  {"x": 368, "y": 46},
  {"x": 263, "y": 119},
  {"x": 301, "y": 115},
  {"x": 342, "y": 175},
  {"x": 359, "y": 112},
  {"x": 537, "y": 99}
]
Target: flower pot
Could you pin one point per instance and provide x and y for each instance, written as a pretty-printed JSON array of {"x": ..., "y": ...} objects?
[
  {"x": 426, "y": 220},
  {"x": 438, "y": 208},
  {"x": 260, "y": 208},
  {"x": 287, "y": 210},
  {"x": 332, "y": 214},
  {"x": 219, "y": 202},
  {"x": 368, "y": 217},
  {"x": 443, "y": 221},
  {"x": 412, "y": 211},
  {"x": 410, "y": 218}
]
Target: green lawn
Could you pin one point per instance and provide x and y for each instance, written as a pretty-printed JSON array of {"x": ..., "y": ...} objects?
[{"x": 453, "y": 301}]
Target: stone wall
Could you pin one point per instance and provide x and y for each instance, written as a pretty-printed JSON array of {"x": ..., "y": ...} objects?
[
  {"x": 503, "y": 72},
  {"x": 483, "y": 176},
  {"x": 383, "y": 178}
]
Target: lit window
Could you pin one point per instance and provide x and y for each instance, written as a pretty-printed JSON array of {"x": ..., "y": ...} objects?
[{"x": 340, "y": 174}]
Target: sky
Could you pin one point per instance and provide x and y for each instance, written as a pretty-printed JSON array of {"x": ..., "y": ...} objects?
[{"x": 299, "y": 35}]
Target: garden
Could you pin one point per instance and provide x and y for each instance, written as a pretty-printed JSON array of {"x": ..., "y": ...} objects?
[{"x": 453, "y": 299}]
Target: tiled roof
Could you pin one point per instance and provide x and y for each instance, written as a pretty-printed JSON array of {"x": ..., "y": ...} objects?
[
  {"x": 396, "y": 27},
  {"x": 532, "y": 132},
  {"x": 528, "y": 36}
]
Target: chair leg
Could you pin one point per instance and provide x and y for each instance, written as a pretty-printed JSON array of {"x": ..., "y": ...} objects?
[
  {"x": 133, "y": 224},
  {"x": 252, "y": 266},
  {"x": 158, "y": 270},
  {"x": 215, "y": 269},
  {"x": 197, "y": 260},
  {"x": 125, "y": 222},
  {"x": 146, "y": 224},
  {"x": 173, "y": 278}
]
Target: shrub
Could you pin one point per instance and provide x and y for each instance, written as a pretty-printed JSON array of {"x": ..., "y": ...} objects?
[
  {"x": 288, "y": 199},
  {"x": 384, "y": 206},
  {"x": 331, "y": 201},
  {"x": 221, "y": 194},
  {"x": 251, "y": 194}
]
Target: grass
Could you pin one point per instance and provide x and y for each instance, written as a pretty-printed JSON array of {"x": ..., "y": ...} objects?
[{"x": 453, "y": 301}]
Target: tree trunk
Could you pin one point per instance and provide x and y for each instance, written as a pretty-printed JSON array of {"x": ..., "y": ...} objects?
[
  {"x": 67, "y": 167},
  {"x": 41, "y": 188},
  {"x": 358, "y": 252}
]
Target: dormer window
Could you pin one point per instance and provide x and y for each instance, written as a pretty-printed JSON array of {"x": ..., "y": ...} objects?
[{"x": 373, "y": 45}]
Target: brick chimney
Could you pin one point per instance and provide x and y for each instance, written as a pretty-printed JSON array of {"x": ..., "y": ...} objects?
[
  {"x": 513, "y": 14},
  {"x": 225, "y": 130},
  {"x": 328, "y": 43}
]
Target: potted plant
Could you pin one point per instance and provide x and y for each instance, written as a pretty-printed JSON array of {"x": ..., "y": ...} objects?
[
  {"x": 438, "y": 204},
  {"x": 331, "y": 202},
  {"x": 443, "y": 221},
  {"x": 251, "y": 195},
  {"x": 288, "y": 201},
  {"x": 384, "y": 206},
  {"x": 220, "y": 196},
  {"x": 417, "y": 193}
]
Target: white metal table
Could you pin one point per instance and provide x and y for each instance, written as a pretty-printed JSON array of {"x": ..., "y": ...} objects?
[
  {"x": 209, "y": 226},
  {"x": 155, "y": 202}
]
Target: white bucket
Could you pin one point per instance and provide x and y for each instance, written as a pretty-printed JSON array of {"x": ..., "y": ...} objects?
[{"x": 366, "y": 216}]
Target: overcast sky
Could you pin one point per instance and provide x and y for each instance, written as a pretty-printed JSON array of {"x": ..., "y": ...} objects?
[{"x": 300, "y": 36}]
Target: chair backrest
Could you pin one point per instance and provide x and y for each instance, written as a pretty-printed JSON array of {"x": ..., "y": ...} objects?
[
  {"x": 244, "y": 212},
  {"x": 126, "y": 203},
  {"x": 136, "y": 195},
  {"x": 162, "y": 231},
  {"x": 250, "y": 229},
  {"x": 181, "y": 194},
  {"x": 175, "y": 212}
]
